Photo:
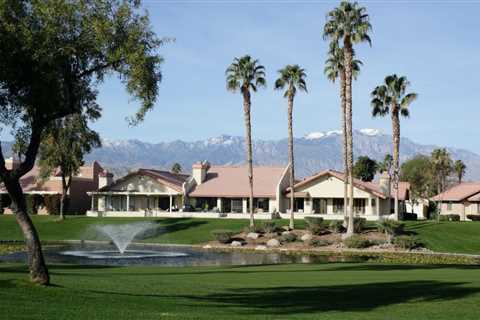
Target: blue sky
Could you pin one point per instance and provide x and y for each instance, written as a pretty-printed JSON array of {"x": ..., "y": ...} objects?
[{"x": 435, "y": 44}]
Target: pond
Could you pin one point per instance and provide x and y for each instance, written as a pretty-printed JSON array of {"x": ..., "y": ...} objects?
[{"x": 172, "y": 256}]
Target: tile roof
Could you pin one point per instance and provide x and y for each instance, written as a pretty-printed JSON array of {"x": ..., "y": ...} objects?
[
  {"x": 170, "y": 179},
  {"x": 232, "y": 182},
  {"x": 460, "y": 192}
]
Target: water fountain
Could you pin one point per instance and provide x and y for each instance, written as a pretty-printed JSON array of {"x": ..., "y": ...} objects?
[{"x": 122, "y": 235}]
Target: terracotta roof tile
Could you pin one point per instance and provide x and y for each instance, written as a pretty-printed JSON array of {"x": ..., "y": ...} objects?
[{"x": 459, "y": 192}]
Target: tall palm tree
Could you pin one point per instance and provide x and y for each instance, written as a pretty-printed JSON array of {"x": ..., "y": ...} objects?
[
  {"x": 390, "y": 97},
  {"x": 333, "y": 70},
  {"x": 348, "y": 23},
  {"x": 459, "y": 168},
  {"x": 442, "y": 167},
  {"x": 246, "y": 74},
  {"x": 292, "y": 77}
]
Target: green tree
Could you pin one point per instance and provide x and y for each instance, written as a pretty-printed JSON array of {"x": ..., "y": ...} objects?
[
  {"x": 442, "y": 167},
  {"x": 365, "y": 168},
  {"x": 334, "y": 69},
  {"x": 53, "y": 54},
  {"x": 459, "y": 168},
  {"x": 66, "y": 142},
  {"x": 176, "y": 168},
  {"x": 386, "y": 165},
  {"x": 292, "y": 77},
  {"x": 418, "y": 173},
  {"x": 246, "y": 74},
  {"x": 390, "y": 98},
  {"x": 348, "y": 24}
]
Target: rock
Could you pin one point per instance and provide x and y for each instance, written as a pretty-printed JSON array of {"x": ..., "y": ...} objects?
[
  {"x": 273, "y": 243},
  {"x": 261, "y": 247},
  {"x": 306, "y": 237},
  {"x": 236, "y": 244},
  {"x": 285, "y": 232},
  {"x": 253, "y": 235},
  {"x": 207, "y": 246}
]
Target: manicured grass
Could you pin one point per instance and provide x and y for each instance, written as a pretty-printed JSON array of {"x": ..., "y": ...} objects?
[
  {"x": 333, "y": 291},
  {"x": 460, "y": 237}
]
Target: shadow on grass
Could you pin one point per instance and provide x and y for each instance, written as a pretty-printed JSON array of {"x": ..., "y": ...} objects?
[{"x": 294, "y": 300}]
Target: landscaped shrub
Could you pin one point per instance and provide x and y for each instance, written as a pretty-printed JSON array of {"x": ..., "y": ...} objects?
[
  {"x": 223, "y": 235},
  {"x": 391, "y": 228},
  {"x": 269, "y": 227},
  {"x": 52, "y": 203},
  {"x": 449, "y": 217},
  {"x": 288, "y": 237},
  {"x": 319, "y": 243},
  {"x": 336, "y": 226},
  {"x": 314, "y": 225},
  {"x": 408, "y": 216},
  {"x": 358, "y": 224},
  {"x": 30, "y": 203},
  {"x": 356, "y": 242},
  {"x": 256, "y": 228},
  {"x": 473, "y": 217},
  {"x": 406, "y": 242}
]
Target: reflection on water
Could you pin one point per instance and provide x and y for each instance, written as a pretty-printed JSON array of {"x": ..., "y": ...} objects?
[{"x": 177, "y": 256}]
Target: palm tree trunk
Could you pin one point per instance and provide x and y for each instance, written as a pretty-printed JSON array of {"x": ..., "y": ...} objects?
[
  {"x": 348, "y": 111},
  {"x": 248, "y": 145},
  {"x": 396, "y": 151},
  {"x": 344, "y": 141},
  {"x": 36, "y": 262},
  {"x": 290, "y": 158}
]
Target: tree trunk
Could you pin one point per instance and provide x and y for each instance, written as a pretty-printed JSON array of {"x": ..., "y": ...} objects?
[
  {"x": 248, "y": 146},
  {"x": 344, "y": 141},
  {"x": 396, "y": 149},
  {"x": 36, "y": 263},
  {"x": 348, "y": 110},
  {"x": 291, "y": 158}
]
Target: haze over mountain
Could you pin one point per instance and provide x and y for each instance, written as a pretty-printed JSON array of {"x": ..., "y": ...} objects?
[{"x": 313, "y": 152}]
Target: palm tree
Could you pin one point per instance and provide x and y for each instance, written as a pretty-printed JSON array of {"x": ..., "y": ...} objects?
[
  {"x": 293, "y": 78},
  {"x": 390, "y": 97},
  {"x": 176, "y": 168},
  {"x": 333, "y": 70},
  {"x": 246, "y": 74},
  {"x": 442, "y": 167},
  {"x": 459, "y": 168},
  {"x": 348, "y": 23}
]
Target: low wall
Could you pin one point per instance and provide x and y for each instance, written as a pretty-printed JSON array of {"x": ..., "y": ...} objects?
[{"x": 258, "y": 216}]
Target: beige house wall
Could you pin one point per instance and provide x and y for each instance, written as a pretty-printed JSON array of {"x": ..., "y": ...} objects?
[{"x": 461, "y": 208}]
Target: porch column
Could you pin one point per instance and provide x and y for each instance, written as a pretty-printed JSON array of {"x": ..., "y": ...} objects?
[
  {"x": 170, "y": 210},
  {"x": 244, "y": 205},
  {"x": 128, "y": 202},
  {"x": 377, "y": 203},
  {"x": 219, "y": 204},
  {"x": 93, "y": 202}
]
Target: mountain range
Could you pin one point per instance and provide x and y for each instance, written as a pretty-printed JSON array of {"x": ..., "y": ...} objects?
[{"x": 313, "y": 152}]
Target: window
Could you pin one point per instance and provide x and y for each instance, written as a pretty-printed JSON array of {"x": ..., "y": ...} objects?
[
  {"x": 337, "y": 205},
  {"x": 261, "y": 203},
  {"x": 359, "y": 205},
  {"x": 237, "y": 205},
  {"x": 478, "y": 207},
  {"x": 373, "y": 203},
  {"x": 320, "y": 205},
  {"x": 449, "y": 206},
  {"x": 298, "y": 205}
]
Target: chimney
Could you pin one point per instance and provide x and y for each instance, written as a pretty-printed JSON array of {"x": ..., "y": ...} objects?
[
  {"x": 12, "y": 163},
  {"x": 384, "y": 183},
  {"x": 199, "y": 171},
  {"x": 105, "y": 179}
]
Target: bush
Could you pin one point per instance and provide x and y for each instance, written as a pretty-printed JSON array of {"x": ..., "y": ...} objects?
[
  {"x": 223, "y": 236},
  {"x": 408, "y": 216},
  {"x": 356, "y": 242},
  {"x": 256, "y": 228},
  {"x": 407, "y": 242},
  {"x": 314, "y": 225},
  {"x": 449, "y": 217},
  {"x": 289, "y": 237},
  {"x": 336, "y": 226},
  {"x": 391, "y": 227},
  {"x": 473, "y": 217},
  {"x": 269, "y": 227},
  {"x": 52, "y": 204},
  {"x": 319, "y": 243},
  {"x": 358, "y": 224}
]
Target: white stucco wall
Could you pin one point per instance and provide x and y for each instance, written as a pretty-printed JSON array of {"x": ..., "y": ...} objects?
[{"x": 144, "y": 184}]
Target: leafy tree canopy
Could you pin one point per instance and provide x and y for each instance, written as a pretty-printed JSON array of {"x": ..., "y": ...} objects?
[{"x": 365, "y": 168}]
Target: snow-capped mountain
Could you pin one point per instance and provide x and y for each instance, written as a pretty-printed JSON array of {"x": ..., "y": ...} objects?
[{"x": 313, "y": 152}]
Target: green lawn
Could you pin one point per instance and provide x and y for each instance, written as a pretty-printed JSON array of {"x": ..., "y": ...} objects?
[
  {"x": 461, "y": 237},
  {"x": 332, "y": 291}
]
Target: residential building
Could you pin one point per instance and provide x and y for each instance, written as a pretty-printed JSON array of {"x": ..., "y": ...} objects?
[
  {"x": 84, "y": 181},
  {"x": 462, "y": 199}
]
